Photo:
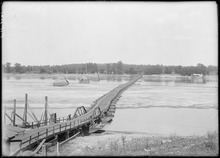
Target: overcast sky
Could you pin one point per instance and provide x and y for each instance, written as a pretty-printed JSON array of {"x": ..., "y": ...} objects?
[{"x": 56, "y": 33}]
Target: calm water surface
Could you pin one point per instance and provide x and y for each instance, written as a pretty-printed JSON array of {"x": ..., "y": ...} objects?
[{"x": 150, "y": 107}]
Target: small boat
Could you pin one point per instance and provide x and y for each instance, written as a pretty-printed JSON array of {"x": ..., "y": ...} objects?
[
  {"x": 84, "y": 79},
  {"x": 61, "y": 82}
]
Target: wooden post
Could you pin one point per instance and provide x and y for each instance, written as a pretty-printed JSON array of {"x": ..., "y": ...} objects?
[
  {"x": 44, "y": 149},
  {"x": 58, "y": 150},
  {"x": 25, "y": 111},
  {"x": 46, "y": 132},
  {"x": 30, "y": 140},
  {"x": 14, "y": 112},
  {"x": 45, "y": 114}
]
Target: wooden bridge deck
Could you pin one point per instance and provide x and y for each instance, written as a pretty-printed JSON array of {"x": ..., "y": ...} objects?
[{"x": 31, "y": 136}]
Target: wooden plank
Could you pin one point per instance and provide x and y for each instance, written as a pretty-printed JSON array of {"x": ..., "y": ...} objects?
[{"x": 38, "y": 148}]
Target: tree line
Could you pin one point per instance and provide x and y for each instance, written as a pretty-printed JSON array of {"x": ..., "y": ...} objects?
[{"x": 111, "y": 68}]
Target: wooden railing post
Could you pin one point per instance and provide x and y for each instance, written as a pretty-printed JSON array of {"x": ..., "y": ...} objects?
[
  {"x": 60, "y": 128},
  {"x": 58, "y": 149},
  {"x": 45, "y": 114},
  {"x": 25, "y": 111},
  {"x": 38, "y": 135},
  {"x": 14, "y": 112}
]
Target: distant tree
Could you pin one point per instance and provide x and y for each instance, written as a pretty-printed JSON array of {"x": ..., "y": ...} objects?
[
  {"x": 42, "y": 70},
  {"x": 132, "y": 71},
  {"x": 178, "y": 69},
  {"x": 168, "y": 70},
  {"x": 119, "y": 67},
  {"x": 211, "y": 70},
  {"x": 201, "y": 69},
  {"x": 108, "y": 68},
  {"x": 17, "y": 67},
  {"x": 113, "y": 68},
  {"x": 153, "y": 69},
  {"x": 92, "y": 68},
  {"x": 8, "y": 67}
]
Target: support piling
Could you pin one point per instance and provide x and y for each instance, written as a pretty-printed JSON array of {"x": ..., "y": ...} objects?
[
  {"x": 45, "y": 114},
  {"x": 14, "y": 112}
]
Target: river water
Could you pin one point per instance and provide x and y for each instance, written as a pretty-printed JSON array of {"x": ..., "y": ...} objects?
[{"x": 156, "y": 107}]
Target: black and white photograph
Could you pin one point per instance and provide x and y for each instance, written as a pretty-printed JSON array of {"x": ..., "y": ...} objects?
[{"x": 107, "y": 78}]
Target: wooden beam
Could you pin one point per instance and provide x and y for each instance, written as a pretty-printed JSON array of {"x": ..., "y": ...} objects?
[
  {"x": 14, "y": 112},
  {"x": 45, "y": 114},
  {"x": 21, "y": 118},
  {"x": 9, "y": 117},
  {"x": 25, "y": 110},
  {"x": 38, "y": 148},
  {"x": 35, "y": 118}
]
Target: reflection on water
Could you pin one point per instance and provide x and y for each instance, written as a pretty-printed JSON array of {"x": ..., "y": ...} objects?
[{"x": 147, "y": 106}]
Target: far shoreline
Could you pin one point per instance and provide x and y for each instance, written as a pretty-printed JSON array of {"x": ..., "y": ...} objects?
[{"x": 162, "y": 77}]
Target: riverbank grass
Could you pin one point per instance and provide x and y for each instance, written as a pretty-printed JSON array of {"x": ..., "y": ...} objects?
[{"x": 134, "y": 145}]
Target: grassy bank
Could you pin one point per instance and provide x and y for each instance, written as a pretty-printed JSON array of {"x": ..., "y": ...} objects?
[{"x": 121, "y": 144}]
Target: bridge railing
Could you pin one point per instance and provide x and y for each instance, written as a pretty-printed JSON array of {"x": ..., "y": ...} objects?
[
  {"x": 42, "y": 123},
  {"x": 59, "y": 127},
  {"x": 53, "y": 129}
]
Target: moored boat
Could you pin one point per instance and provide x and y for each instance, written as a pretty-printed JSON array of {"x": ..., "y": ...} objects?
[{"x": 61, "y": 82}]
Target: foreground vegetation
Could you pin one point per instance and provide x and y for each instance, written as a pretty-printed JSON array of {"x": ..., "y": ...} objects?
[{"x": 136, "y": 145}]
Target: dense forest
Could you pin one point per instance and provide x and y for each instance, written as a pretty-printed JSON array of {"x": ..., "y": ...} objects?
[{"x": 111, "y": 68}]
